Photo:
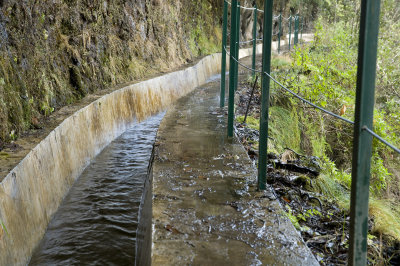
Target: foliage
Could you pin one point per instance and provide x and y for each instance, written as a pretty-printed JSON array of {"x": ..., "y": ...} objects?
[
  {"x": 329, "y": 169},
  {"x": 292, "y": 217},
  {"x": 308, "y": 214},
  {"x": 284, "y": 129},
  {"x": 251, "y": 122},
  {"x": 301, "y": 216},
  {"x": 325, "y": 73}
]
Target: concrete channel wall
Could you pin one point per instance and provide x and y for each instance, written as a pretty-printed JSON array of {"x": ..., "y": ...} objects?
[{"x": 31, "y": 193}]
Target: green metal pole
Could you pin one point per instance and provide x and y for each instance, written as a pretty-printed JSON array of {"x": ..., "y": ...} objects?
[
  {"x": 253, "y": 65},
  {"x": 296, "y": 30},
  {"x": 266, "y": 67},
  {"x": 290, "y": 30},
  {"x": 232, "y": 64},
  {"x": 362, "y": 145},
  {"x": 238, "y": 45},
  {"x": 223, "y": 63}
]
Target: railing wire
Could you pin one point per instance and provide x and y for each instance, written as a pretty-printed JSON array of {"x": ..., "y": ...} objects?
[
  {"x": 246, "y": 8},
  {"x": 291, "y": 92},
  {"x": 381, "y": 139}
]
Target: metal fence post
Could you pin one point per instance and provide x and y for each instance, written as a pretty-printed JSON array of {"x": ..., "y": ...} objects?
[
  {"x": 253, "y": 65},
  {"x": 279, "y": 33},
  {"x": 266, "y": 67},
  {"x": 237, "y": 45},
  {"x": 223, "y": 63},
  {"x": 362, "y": 147},
  {"x": 290, "y": 30},
  {"x": 232, "y": 65}
]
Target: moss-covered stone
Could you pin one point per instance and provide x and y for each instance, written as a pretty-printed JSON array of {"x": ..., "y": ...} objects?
[{"x": 54, "y": 53}]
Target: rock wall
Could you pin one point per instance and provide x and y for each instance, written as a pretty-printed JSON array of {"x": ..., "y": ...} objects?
[{"x": 53, "y": 53}]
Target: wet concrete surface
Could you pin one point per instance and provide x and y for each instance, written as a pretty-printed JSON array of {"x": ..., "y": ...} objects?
[{"x": 206, "y": 207}]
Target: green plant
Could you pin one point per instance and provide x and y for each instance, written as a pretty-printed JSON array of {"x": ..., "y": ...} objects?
[
  {"x": 42, "y": 18},
  {"x": 4, "y": 227},
  {"x": 46, "y": 109},
  {"x": 308, "y": 214},
  {"x": 45, "y": 34},
  {"x": 13, "y": 135},
  {"x": 292, "y": 217},
  {"x": 379, "y": 174}
]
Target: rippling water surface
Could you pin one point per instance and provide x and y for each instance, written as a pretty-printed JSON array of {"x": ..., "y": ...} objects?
[{"x": 96, "y": 223}]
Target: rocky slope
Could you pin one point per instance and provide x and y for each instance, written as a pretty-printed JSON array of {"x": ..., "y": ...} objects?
[{"x": 53, "y": 53}]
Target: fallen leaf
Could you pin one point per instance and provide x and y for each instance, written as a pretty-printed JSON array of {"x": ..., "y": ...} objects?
[
  {"x": 286, "y": 199},
  {"x": 343, "y": 110},
  {"x": 172, "y": 229}
]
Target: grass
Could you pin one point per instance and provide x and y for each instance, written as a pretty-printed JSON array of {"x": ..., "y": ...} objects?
[
  {"x": 288, "y": 126},
  {"x": 284, "y": 129},
  {"x": 386, "y": 217},
  {"x": 385, "y": 213},
  {"x": 251, "y": 122}
]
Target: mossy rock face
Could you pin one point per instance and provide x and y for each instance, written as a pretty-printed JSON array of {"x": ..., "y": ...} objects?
[
  {"x": 54, "y": 53},
  {"x": 76, "y": 80}
]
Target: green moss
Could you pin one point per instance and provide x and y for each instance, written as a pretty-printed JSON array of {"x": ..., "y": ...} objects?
[
  {"x": 4, "y": 155},
  {"x": 251, "y": 122},
  {"x": 87, "y": 47}
]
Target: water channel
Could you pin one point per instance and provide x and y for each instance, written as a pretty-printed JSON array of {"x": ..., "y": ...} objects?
[{"x": 97, "y": 221}]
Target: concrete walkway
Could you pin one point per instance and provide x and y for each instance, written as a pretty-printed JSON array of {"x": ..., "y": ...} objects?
[{"x": 206, "y": 209}]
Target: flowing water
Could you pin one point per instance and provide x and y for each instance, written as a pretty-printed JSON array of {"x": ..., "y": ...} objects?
[{"x": 96, "y": 223}]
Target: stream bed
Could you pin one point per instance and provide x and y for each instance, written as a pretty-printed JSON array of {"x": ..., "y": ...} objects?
[{"x": 97, "y": 221}]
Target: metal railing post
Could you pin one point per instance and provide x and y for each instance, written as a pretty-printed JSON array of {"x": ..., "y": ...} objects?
[
  {"x": 232, "y": 66},
  {"x": 238, "y": 45},
  {"x": 266, "y": 67},
  {"x": 223, "y": 63},
  {"x": 279, "y": 33},
  {"x": 253, "y": 65},
  {"x": 362, "y": 145},
  {"x": 290, "y": 30}
]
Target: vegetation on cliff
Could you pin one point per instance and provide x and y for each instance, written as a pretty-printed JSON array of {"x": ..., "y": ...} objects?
[{"x": 54, "y": 53}]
